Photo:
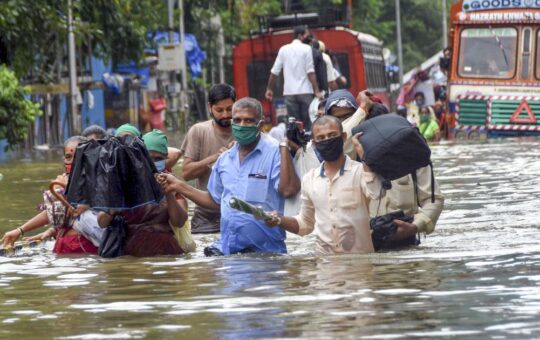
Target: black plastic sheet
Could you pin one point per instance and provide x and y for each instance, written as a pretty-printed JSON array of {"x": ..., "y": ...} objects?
[{"x": 116, "y": 173}]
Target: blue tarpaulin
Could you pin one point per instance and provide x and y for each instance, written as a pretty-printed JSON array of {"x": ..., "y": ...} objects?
[{"x": 131, "y": 68}]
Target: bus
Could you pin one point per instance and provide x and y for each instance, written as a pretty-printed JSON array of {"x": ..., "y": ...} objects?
[
  {"x": 494, "y": 79},
  {"x": 359, "y": 57}
]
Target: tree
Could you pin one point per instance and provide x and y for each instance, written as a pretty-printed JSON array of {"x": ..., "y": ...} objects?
[
  {"x": 421, "y": 27},
  {"x": 35, "y": 33},
  {"x": 16, "y": 111}
]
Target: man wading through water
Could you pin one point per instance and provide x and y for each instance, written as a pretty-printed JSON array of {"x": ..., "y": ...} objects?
[
  {"x": 335, "y": 195},
  {"x": 203, "y": 145},
  {"x": 256, "y": 170}
]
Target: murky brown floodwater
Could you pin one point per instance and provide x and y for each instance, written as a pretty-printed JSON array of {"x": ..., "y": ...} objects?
[{"x": 477, "y": 276}]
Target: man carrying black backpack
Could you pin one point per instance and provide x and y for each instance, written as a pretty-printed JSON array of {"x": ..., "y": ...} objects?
[{"x": 415, "y": 196}]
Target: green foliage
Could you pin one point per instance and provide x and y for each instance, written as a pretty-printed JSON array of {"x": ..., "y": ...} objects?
[
  {"x": 35, "y": 32},
  {"x": 421, "y": 26},
  {"x": 119, "y": 27},
  {"x": 16, "y": 112},
  {"x": 238, "y": 17}
]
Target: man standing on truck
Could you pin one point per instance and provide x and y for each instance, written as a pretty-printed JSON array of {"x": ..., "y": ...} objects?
[{"x": 300, "y": 82}]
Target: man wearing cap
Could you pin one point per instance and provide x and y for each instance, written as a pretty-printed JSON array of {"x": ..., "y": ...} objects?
[
  {"x": 342, "y": 105},
  {"x": 157, "y": 145}
]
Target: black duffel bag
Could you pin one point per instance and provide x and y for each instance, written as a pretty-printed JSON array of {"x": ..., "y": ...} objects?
[
  {"x": 383, "y": 230},
  {"x": 393, "y": 147}
]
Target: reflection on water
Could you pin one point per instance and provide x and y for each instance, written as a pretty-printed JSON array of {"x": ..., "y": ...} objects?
[{"x": 476, "y": 277}]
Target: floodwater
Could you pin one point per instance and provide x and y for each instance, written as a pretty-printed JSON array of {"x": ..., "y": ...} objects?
[{"x": 476, "y": 276}]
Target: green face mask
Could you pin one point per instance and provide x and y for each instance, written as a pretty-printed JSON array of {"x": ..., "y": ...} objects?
[
  {"x": 424, "y": 118},
  {"x": 245, "y": 135}
]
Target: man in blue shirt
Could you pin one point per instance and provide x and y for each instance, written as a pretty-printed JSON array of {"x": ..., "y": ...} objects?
[{"x": 256, "y": 170}]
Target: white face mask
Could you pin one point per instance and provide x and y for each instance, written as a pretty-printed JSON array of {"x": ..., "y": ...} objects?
[{"x": 160, "y": 165}]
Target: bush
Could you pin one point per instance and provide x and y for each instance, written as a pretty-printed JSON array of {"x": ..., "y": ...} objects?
[{"x": 16, "y": 111}]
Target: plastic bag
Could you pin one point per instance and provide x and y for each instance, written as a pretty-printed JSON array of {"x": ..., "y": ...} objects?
[
  {"x": 184, "y": 238},
  {"x": 112, "y": 242},
  {"x": 314, "y": 108},
  {"x": 116, "y": 173}
]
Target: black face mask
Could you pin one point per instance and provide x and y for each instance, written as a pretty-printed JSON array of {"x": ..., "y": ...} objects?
[
  {"x": 223, "y": 122},
  {"x": 307, "y": 40},
  {"x": 330, "y": 149}
]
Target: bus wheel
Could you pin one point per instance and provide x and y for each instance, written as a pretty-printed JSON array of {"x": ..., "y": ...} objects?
[
  {"x": 474, "y": 135},
  {"x": 460, "y": 134}
]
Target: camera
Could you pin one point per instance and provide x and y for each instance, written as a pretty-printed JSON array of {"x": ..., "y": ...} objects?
[{"x": 296, "y": 132}]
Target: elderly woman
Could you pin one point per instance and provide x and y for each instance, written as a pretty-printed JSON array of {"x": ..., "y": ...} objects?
[{"x": 70, "y": 237}]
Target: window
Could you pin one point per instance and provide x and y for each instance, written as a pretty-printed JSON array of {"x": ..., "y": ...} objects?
[
  {"x": 526, "y": 54},
  {"x": 375, "y": 75},
  {"x": 488, "y": 53},
  {"x": 537, "y": 55},
  {"x": 341, "y": 64},
  {"x": 374, "y": 67},
  {"x": 257, "y": 77}
]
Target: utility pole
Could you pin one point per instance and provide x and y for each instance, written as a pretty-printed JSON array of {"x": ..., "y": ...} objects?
[
  {"x": 73, "y": 121},
  {"x": 170, "y": 9},
  {"x": 399, "y": 46},
  {"x": 445, "y": 25},
  {"x": 183, "y": 91},
  {"x": 349, "y": 13},
  {"x": 172, "y": 106}
]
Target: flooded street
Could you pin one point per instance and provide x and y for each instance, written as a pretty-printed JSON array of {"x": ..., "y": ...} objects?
[{"x": 476, "y": 276}]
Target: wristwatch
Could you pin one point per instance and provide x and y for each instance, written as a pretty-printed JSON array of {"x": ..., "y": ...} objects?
[{"x": 285, "y": 145}]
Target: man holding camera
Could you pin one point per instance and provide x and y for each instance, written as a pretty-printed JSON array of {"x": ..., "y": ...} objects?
[
  {"x": 342, "y": 105},
  {"x": 335, "y": 195}
]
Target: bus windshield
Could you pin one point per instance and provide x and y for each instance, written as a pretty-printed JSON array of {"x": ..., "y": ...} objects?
[{"x": 488, "y": 53}]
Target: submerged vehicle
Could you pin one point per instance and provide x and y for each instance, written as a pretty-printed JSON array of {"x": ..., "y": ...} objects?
[{"x": 493, "y": 84}]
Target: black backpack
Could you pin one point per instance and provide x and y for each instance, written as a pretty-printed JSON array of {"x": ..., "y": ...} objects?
[{"x": 394, "y": 148}]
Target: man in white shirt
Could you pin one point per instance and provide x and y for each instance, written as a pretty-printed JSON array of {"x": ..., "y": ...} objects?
[
  {"x": 335, "y": 196},
  {"x": 300, "y": 82}
]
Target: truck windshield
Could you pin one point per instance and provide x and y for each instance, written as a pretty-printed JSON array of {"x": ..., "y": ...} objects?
[{"x": 488, "y": 53}]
